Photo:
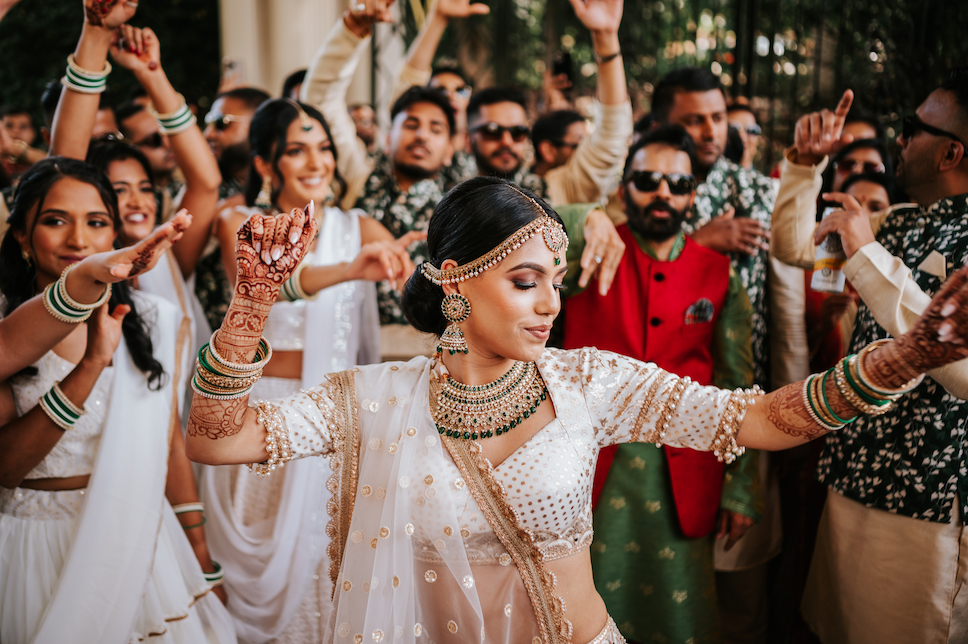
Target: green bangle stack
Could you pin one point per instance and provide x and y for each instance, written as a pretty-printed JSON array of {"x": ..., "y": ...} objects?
[
  {"x": 63, "y": 307},
  {"x": 215, "y": 578},
  {"x": 58, "y": 407},
  {"x": 218, "y": 379},
  {"x": 178, "y": 121}
]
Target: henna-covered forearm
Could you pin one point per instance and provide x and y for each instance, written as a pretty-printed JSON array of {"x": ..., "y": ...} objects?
[
  {"x": 937, "y": 339},
  {"x": 215, "y": 419},
  {"x": 245, "y": 320},
  {"x": 788, "y": 412}
]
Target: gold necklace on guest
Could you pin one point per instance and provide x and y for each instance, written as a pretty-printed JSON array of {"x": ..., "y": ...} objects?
[{"x": 492, "y": 409}]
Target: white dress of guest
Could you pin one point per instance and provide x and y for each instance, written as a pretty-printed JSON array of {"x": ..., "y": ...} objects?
[
  {"x": 166, "y": 280},
  {"x": 110, "y": 562},
  {"x": 269, "y": 534}
]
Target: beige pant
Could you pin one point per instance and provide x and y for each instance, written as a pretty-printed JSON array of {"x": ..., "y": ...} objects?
[{"x": 879, "y": 577}]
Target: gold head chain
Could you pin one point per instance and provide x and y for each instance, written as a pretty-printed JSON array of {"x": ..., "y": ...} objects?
[
  {"x": 551, "y": 231},
  {"x": 305, "y": 122}
]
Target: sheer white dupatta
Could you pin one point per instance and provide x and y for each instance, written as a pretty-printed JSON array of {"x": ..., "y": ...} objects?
[
  {"x": 270, "y": 564},
  {"x": 100, "y": 588}
]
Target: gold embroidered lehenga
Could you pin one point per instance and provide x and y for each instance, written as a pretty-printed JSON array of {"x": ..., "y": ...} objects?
[{"x": 430, "y": 541}]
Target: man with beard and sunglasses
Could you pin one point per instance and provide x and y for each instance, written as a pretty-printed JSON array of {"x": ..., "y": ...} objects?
[
  {"x": 891, "y": 560},
  {"x": 682, "y": 306}
]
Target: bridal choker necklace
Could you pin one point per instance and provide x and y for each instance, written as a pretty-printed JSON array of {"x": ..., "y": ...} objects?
[{"x": 482, "y": 411}]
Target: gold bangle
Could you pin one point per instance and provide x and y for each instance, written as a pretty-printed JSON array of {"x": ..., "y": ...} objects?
[
  {"x": 816, "y": 397},
  {"x": 872, "y": 389},
  {"x": 223, "y": 381},
  {"x": 62, "y": 291},
  {"x": 851, "y": 396},
  {"x": 236, "y": 366}
]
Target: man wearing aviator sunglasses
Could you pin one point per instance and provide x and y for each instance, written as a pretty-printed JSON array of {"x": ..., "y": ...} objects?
[
  {"x": 681, "y": 306},
  {"x": 900, "y": 477}
]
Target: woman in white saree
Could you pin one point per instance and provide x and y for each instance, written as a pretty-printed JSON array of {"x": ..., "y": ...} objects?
[
  {"x": 90, "y": 444},
  {"x": 462, "y": 482}
]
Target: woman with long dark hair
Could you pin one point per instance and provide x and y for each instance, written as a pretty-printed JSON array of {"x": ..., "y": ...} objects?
[
  {"x": 129, "y": 170},
  {"x": 90, "y": 446},
  {"x": 462, "y": 482},
  {"x": 326, "y": 319}
]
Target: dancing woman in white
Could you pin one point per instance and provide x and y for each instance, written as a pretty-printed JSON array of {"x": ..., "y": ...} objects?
[
  {"x": 269, "y": 535},
  {"x": 463, "y": 481},
  {"x": 90, "y": 549}
]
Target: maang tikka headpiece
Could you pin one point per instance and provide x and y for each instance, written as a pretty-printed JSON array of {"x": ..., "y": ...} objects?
[
  {"x": 550, "y": 230},
  {"x": 305, "y": 122}
]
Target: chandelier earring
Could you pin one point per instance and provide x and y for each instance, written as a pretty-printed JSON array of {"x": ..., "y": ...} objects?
[
  {"x": 26, "y": 257},
  {"x": 263, "y": 200},
  {"x": 456, "y": 308}
]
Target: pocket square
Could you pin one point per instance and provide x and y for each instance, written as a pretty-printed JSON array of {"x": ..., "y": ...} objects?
[
  {"x": 935, "y": 264},
  {"x": 701, "y": 311}
]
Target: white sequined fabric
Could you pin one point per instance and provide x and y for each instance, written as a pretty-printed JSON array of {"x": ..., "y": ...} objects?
[{"x": 74, "y": 453}]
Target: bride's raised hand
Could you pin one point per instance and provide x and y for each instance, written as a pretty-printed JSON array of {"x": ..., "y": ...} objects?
[{"x": 270, "y": 247}]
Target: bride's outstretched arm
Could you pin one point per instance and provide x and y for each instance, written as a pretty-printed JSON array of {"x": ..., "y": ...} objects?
[
  {"x": 784, "y": 419},
  {"x": 268, "y": 249}
]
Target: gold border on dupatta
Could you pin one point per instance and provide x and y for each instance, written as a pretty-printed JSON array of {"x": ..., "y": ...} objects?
[{"x": 345, "y": 463}]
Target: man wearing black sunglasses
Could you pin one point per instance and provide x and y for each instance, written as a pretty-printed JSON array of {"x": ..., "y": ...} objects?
[
  {"x": 227, "y": 133},
  {"x": 683, "y": 307},
  {"x": 497, "y": 117},
  {"x": 898, "y": 482}
]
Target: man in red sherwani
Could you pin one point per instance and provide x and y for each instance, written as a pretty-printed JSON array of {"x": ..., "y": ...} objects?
[{"x": 680, "y": 305}]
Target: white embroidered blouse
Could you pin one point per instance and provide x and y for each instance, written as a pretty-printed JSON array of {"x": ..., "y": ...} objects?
[{"x": 409, "y": 499}]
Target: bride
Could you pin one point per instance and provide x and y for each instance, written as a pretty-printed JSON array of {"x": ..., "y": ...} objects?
[{"x": 462, "y": 482}]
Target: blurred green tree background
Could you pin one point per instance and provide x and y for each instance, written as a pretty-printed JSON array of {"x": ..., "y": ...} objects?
[
  {"x": 784, "y": 56},
  {"x": 37, "y": 35}
]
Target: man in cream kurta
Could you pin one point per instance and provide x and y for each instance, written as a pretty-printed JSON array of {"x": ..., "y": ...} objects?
[{"x": 897, "y": 479}]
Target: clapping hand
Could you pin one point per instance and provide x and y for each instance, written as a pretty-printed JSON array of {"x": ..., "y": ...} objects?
[
  {"x": 109, "y": 14},
  {"x": 729, "y": 234},
  {"x": 136, "y": 49}
]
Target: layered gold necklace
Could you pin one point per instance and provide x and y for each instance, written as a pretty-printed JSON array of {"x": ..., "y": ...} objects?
[{"x": 482, "y": 411}]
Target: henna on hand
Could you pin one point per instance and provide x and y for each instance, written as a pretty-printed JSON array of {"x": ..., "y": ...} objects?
[
  {"x": 260, "y": 276},
  {"x": 215, "y": 419},
  {"x": 939, "y": 337},
  {"x": 788, "y": 413}
]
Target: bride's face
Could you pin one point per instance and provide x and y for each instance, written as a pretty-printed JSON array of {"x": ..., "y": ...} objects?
[{"x": 513, "y": 304}]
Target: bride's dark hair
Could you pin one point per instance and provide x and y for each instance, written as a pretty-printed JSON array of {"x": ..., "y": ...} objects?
[{"x": 471, "y": 220}]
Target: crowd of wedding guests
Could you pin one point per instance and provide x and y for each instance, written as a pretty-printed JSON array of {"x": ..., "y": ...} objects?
[{"x": 690, "y": 254}]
